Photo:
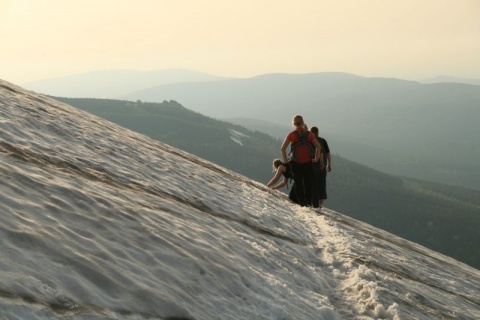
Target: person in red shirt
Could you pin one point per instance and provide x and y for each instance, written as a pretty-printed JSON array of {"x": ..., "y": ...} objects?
[{"x": 305, "y": 149}]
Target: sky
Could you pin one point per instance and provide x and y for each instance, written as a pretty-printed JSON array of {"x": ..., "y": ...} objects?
[
  {"x": 100, "y": 222},
  {"x": 406, "y": 39}
]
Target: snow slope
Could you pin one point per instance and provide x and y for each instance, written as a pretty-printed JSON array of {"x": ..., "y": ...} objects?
[{"x": 99, "y": 222}]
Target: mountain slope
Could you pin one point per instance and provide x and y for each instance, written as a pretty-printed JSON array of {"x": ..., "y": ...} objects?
[
  {"x": 443, "y": 218},
  {"x": 100, "y": 222}
]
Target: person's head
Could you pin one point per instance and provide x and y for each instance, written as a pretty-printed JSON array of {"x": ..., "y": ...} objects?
[
  {"x": 276, "y": 163},
  {"x": 314, "y": 130},
  {"x": 297, "y": 121}
]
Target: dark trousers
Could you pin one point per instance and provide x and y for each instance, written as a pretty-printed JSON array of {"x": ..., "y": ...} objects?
[
  {"x": 315, "y": 195},
  {"x": 303, "y": 177},
  {"x": 292, "y": 196},
  {"x": 319, "y": 186}
]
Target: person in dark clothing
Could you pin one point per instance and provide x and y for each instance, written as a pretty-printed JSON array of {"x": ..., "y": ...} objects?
[
  {"x": 305, "y": 149},
  {"x": 280, "y": 168},
  {"x": 319, "y": 173}
]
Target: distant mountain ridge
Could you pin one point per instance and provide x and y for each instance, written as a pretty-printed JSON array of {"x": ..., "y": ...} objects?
[
  {"x": 110, "y": 84},
  {"x": 449, "y": 79},
  {"x": 258, "y": 96}
]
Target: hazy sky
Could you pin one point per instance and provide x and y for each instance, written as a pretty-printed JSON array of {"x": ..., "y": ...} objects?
[{"x": 409, "y": 39}]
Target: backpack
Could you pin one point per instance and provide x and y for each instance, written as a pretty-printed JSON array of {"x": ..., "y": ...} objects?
[
  {"x": 302, "y": 145},
  {"x": 288, "y": 172}
]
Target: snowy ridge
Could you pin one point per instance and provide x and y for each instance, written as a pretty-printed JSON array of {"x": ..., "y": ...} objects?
[{"x": 99, "y": 222}]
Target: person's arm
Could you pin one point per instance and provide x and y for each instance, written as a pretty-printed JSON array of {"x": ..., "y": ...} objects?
[
  {"x": 318, "y": 149},
  {"x": 283, "y": 149},
  {"x": 281, "y": 184},
  {"x": 329, "y": 157},
  {"x": 275, "y": 178}
]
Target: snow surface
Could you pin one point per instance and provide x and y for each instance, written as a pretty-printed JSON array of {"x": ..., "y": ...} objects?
[
  {"x": 99, "y": 222},
  {"x": 237, "y": 136}
]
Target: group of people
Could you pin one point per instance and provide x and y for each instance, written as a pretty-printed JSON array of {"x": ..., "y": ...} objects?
[{"x": 306, "y": 164}]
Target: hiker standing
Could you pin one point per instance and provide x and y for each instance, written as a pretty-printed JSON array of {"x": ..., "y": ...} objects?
[
  {"x": 305, "y": 149},
  {"x": 320, "y": 173},
  {"x": 282, "y": 168}
]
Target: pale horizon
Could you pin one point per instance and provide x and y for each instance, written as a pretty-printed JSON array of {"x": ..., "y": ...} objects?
[{"x": 410, "y": 40}]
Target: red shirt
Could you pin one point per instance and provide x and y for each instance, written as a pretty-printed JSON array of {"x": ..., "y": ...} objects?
[{"x": 303, "y": 156}]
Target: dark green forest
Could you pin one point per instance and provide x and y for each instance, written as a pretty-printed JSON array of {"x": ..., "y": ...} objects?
[{"x": 441, "y": 217}]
